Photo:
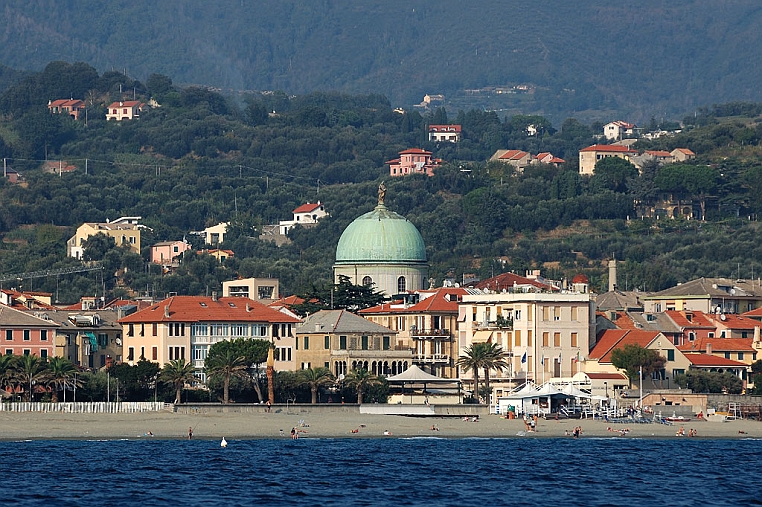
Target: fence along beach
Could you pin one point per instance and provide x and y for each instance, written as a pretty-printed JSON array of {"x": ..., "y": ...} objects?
[{"x": 342, "y": 421}]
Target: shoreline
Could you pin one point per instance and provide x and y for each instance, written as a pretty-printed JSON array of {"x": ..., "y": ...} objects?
[{"x": 23, "y": 426}]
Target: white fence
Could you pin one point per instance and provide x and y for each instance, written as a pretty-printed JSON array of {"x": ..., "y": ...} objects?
[{"x": 86, "y": 407}]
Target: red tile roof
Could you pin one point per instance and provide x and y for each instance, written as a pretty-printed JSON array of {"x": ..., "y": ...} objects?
[
  {"x": 125, "y": 103},
  {"x": 610, "y": 148},
  {"x": 415, "y": 151},
  {"x": 308, "y": 207},
  {"x": 611, "y": 339},
  {"x": 205, "y": 309},
  {"x": 718, "y": 345},
  {"x": 508, "y": 280},
  {"x": 659, "y": 153},
  {"x": 685, "y": 151},
  {"x": 757, "y": 312},
  {"x": 444, "y": 300},
  {"x": 734, "y": 321},
  {"x": 707, "y": 361},
  {"x": 513, "y": 155},
  {"x": 697, "y": 320}
]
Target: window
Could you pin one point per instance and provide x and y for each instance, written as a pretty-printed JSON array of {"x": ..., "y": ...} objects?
[
  {"x": 529, "y": 337},
  {"x": 401, "y": 284},
  {"x": 517, "y": 338},
  {"x": 131, "y": 353},
  {"x": 387, "y": 344},
  {"x": 545, "y": 313},
  {"x": 131, "y": 330},
  {"x": 155, "y": 353},
  {"x": 366, "y": 280},
  {"x": 342, "y": 342},
  {"x": 155, "y": 329},
  {"x": 43, "y": 335},
  {"x": 545, "y": 339},
  {"x": 326, "y": 342},
  {"x": 9, "y": 334},
  {"x": 727, "y": 355},
  {"x": 556, "y": 313},
  {"x": 103, "y": 360},
  {"x": 744, "y": 334},
  {"x": 27, "y": 335},
  {"x": 365, "y": 343},
  {"x": 28, "y": 352},
  {"x": 306, "y": 343},
  {"x": 102, "y": 340},
  {"x": 691, "y": 336},
  {"x": 517, "y": 315},
  {"x": 574, "y": 313},
  {"x": 711, "y": 335},
  {"x": 740, "y": 356},
  {"x": 556, "y": 339},
  {"x": 574, "y": 339},
  {"x": 8, "y": 352},
  {"x": 44, "y": 353}
]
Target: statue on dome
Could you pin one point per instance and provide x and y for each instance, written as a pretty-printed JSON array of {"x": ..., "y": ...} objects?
[{"x": 381, "y": 193}]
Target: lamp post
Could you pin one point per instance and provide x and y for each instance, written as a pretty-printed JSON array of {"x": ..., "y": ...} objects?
[
  {"x": 606, "y": 386},
  {"x": 108, "y": 386}
]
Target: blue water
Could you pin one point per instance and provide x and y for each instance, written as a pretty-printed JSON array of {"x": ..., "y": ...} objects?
[{"x": 383, "y": 472}]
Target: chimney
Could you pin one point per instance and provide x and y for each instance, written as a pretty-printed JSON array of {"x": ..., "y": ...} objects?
[
  {"x": 214, "y": 295},
  {"x": 756, "y": 342},
  {"x": 709, "y": 349},
  {"x": 248, "y": 308},
  {"x": 166, "y": 312},
  {"x": 612, "y": 275},
  {"x": 318, "y": 327}
]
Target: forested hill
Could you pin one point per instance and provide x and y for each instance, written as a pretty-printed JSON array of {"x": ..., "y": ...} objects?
[{"x": 595, "y": 59}]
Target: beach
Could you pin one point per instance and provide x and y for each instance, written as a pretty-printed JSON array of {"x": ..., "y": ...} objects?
[{"x": 340, "y": 424}]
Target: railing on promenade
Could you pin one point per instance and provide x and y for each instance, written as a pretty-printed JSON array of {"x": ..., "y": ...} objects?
[{"x": 86, "y": 407}]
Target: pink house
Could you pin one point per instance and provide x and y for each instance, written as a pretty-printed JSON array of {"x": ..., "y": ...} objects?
[
  {"x": 413, "y": 161},
  {"x": 126, "y": 110},
  {"x": 24, "y": 334},
  {"x": 166, "y": 252},
  {"x": 547, "y": 158}
]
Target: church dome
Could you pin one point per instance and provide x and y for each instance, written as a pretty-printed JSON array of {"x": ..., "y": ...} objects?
[{"x": 381, "y": 236}]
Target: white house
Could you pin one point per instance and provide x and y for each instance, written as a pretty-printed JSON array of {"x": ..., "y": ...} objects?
[{"x": 305, "y": 215}]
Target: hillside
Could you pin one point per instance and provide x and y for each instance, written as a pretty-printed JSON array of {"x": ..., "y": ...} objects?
[{"x": 593, "y": 59}]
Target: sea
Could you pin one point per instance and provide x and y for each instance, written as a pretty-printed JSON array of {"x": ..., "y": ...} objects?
[{"x": 383, "y": 472}]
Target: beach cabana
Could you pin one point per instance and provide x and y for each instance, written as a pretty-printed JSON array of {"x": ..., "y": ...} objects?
[
  {"x": 518, "y": 400},
  {"x": 418, "y": 382}
]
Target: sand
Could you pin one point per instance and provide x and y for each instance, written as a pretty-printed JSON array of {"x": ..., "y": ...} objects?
[{"x": 169, "y": 425}]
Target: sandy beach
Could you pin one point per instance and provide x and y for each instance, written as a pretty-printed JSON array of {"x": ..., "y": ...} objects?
[{"x": 233, "y": 425}]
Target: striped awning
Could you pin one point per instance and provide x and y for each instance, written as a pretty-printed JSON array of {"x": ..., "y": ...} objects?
[{"x": 481, "y": 336}]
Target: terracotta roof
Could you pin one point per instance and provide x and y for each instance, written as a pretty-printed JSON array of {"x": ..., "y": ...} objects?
[
  {"x": 705, "y": 360},
  {"x": 731, "y": 321},
  {"x": 415, "y": 151},
  {"x": 444, "y": 300},
  {"x": 611, "y": 148},
  {"x": 718, "y": 345},
  {"x": 508, "y": 280},
  {"x": 757, "y": 312},
  {"x": 697, "y": 320},
  {"x": 125, "y": 103},
  {"x": 684, "y": 150},
  {"x": 659, "y": 153},
  {"x": 605, "y": 376},
  {"x": 306, "y": 208},
  {"x": 611, "y": 339},
  {"x": 513, "y": 155},
  {"x": 623, "y": 124},
  {"x": 205, "y": 309}
]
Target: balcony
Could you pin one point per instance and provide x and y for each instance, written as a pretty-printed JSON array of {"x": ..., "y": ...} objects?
[
  {"x": 429, "y": 333},
  {"x": 431, "y": 358},
  {"x": 494, "y": 325}
]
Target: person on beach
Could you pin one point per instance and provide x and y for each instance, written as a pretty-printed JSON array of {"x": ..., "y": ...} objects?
[
  {"x": 387, "y": 433},
  {"x": 268, "y": 406},
  {"x": 294, "y": 434},
  {"x": 190, "y": 433}
]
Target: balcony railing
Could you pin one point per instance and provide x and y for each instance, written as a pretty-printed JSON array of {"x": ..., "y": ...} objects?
[
  {"x": 493, "y": 325},
  {"x": 431, "y": 358},
  {"x": 430, "y": 333}
]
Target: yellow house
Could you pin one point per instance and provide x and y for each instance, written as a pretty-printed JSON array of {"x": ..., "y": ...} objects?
[{"x": 124, "y": 230}]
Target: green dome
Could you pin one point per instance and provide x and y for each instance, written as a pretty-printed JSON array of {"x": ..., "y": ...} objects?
[{"x": 380, "y": 236}]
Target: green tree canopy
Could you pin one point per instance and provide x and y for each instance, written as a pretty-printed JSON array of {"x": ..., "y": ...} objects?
[
  {"x": 613, "y": 173},
  {"x": 632, "y": 357}
]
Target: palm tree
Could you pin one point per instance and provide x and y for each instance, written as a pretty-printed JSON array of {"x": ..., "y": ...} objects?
[
  {"x": 28, "y": 371},
  {"x": 61, "y": 372},
  {"x": 226, "y": 364},
  {"x": 177, "y": 372},
  {"x": 315, "y": 378},
  {"x": 6, "y": 370},
  {"x": 361, "y": 380},
  {"x": 494, "y": 359},
  {"x": 472, "y": 360}
]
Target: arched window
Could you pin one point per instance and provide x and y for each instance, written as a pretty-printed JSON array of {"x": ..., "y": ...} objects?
[
  {"x": 401, "y": 285},
  {"x": 366, "y": 280}
]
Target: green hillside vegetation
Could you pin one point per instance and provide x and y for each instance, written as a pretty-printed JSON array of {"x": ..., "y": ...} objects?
[
  {"x": 201, "y": 158},
  {"x": 593, "y": 59}
]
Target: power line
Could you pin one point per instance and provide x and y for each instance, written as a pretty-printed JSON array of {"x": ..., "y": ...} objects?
[{"x": 50, "y": 272}]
